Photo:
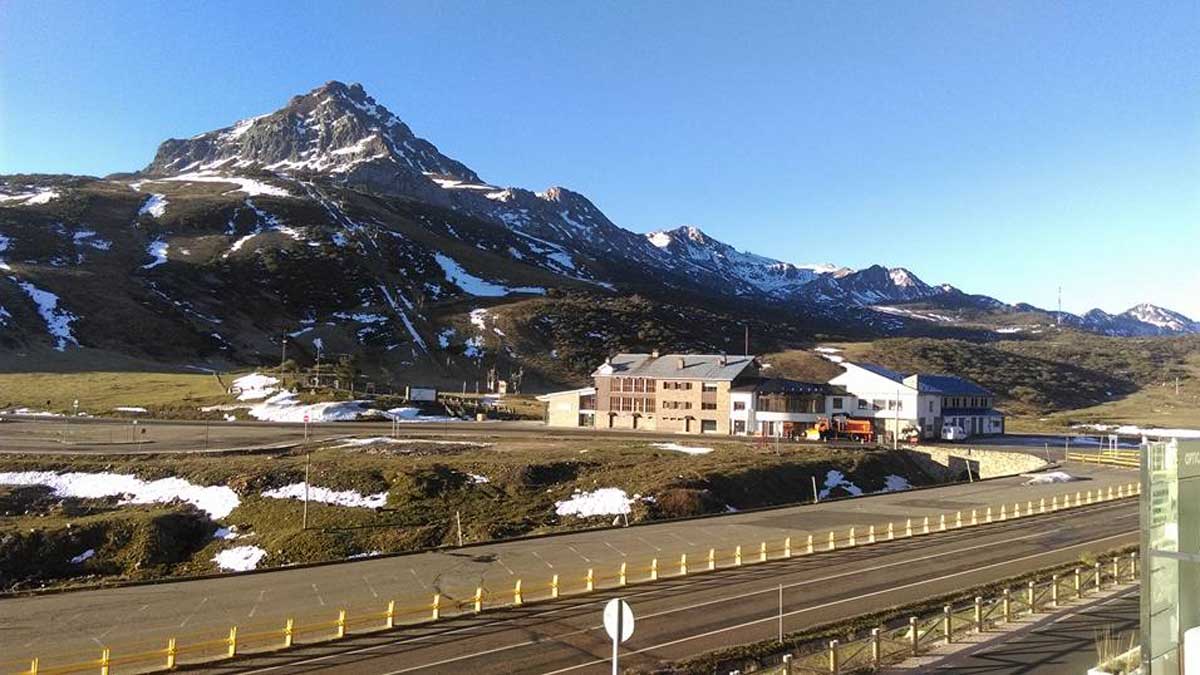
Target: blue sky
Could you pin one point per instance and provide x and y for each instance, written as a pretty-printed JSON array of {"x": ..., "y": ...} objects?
[{"x": 1006, "y": 148}]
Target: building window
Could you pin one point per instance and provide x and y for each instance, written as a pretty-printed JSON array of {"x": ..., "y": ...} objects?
[
  {"x": 739, "y": 405},
  {"x": 837, "y": 403},
  {"x": 877, "y": 404},
  {"x": 649, "y": 386},
  {"x": 708, "y": 388},
  {"x": 931, "y": 405},
  {"x": 707, "y": 426},
  {"x": 614, "y": 403},
  {"x": 739, "y": 426},
  {"x": 862, "y": 404},
  {"x": 708, "y": 406}
]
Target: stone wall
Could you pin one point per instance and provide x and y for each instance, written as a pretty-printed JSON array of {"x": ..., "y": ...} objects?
[{"x": 953, "y": 463}]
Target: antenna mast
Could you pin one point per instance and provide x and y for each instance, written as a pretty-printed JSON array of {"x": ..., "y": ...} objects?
[{"x": 1058, "y": 317}]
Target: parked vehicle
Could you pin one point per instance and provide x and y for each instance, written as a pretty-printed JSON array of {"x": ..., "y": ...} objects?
[{"x": 952, "y": 432}]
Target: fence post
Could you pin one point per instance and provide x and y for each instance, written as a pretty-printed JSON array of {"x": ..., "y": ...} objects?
[
  {"x": 517, "y": 593},
  {"x": 908, "y": 527},
  {"x": 289, "y": 631},
  {"x": 1032, "y": 599},
  {"x": 1054, "y": 503},
  {"x": 479, "y": 598},
  {"x": 914, "y": 636},
  {"x": 712, "y": 557},
  {"x": 1054, "y": 591},
  {"x": 957, "y": 519},
  {"x": 683, "y": 564},
  {"x": 621, "y": 578},
  {"x": 875, "y": 647},
  {"x": 1120, "y": 492},
  {"x": 988, "y": 515},
  {"x": 871, "y": 534},
  {"x": 554, "y": 586},
  {"x": 1098, "y": 584},
  {"x": 978, "y": 614},
  {"x": 436, "y": 609},
  {"x": 762, "y": 552},
  {"x": 737, "y": 556},
  {"x": 1007, "y": 600},
  {"x": 341, "y": 623},
  {"x": 654, "y": 569},
  {"x": 925, "y": 528},
  {"x": 947, "y": 626},
  {"x": 232, "y": 641},
  {"x": 33, "y": 666},
  {"x": 832, "y": 543},
  {"x": 1078, "y": 498},
  {"x": 1042, "y": 506},
  {"x": 1002, "y": 513},
  {"x": 1078, "y": 583},
  {"x": 810, "y": 544},
  {"x": 171, "y": 652},
  {"x": 1017, "y": 510},
  {"x": 1110, "y": 493},
  {"x": 851, "y": 539},
  {"x": 834, "y": 666},
  {"x": 942, "y": 523},
  {"x": 787, "y": 664},
  {"x": 787, "y": 547},
  {"x": 590, "y": 580},
  {"x": 391, "y": 614},
  {"x": 1133, "y": 560},
  {"x": 1089, "y": 497},
  {"x": 1029, "y": 507},
  {"x": 891, "y": 533},
  {"x": 105, "y": 657}
]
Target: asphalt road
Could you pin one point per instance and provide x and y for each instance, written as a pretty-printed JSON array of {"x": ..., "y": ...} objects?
[
  {"x": 682, "y": 618},
  {"x": 82, "y": 621},
  {"x": 1062, "y": 644},
  {"x": 94, "y": 435}
]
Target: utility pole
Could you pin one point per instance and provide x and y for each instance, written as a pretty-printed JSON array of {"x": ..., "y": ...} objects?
[
  {"x": 816, "y": 495},
  {"x": 780, "y": 613},
  {"x": 896, "y": 431},
  {"x": 307, "y": 464},
  {"x": 458, "y": 522},
  {"x": 747, "y": 343},
  {"x": 283, "y": 353},
  {"x": 1058, "y": 317}
]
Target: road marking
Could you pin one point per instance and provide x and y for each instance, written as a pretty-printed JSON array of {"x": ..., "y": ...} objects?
[
  {"x": 369, "y": 588},
  {"x": 651, "y": 591},
  {"x": 256, "y": 603},
  {"x": 622, "y": 553},
  {"x": 506, "y": 567},
  {"x": 649, "y": 544},
  {"x": 535, "y": 554},
  {"x": 831, "y": 603},
  {"x": 585, "y": 558},
  {"x": 318, "y": 594},
  {"x": 188, "y": 618},
  {"x": 418, "y": 578}
]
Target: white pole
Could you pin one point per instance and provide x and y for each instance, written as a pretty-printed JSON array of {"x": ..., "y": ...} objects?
[
  {"x": 307, "y": 460},
  {"x": 816, "y": 495},
  {"x": 896, "y": 431},
  {"x": 780, "y": 613}
]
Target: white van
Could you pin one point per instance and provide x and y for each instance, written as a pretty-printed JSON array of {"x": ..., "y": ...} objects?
[{"x": 951, "y": 432}]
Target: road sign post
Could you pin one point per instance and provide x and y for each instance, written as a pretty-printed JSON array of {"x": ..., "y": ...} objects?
[{"x": 618, "y": 622}]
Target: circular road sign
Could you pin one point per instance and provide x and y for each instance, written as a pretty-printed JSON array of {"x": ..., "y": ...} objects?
[{"x": 610, "y": 619}]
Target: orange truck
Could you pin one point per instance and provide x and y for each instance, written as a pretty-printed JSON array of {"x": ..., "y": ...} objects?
[{"x": 846, "y": 427}]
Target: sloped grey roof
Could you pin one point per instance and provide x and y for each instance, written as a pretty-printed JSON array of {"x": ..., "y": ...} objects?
[
  {"x": 667, "y": 366},
  {"x": 949, "y": 384},
  {"x": 779, "y": 385}
]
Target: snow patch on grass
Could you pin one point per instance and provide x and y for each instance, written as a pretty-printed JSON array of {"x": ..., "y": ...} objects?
[
  {"x": 217, "y": 501},
  {"x": 155, "y": 205},
  {"x": 255, "y": 386},
  {"x": 894, "y": 483},
  {"x": 91, "y": 552},
  {"x": 350, "y": 498},
  {"x": 58, "y": 320},
  {"x": 836, "y": 480},
  {"x": 1048, "y": 478},
  {"x": 1149, "y": 432},
  {"x": 691, "y": 450},
  {"x": 240, "y": 558},
  {"x": 601, "y": 502},
  {"x": 157, "y": 250}
]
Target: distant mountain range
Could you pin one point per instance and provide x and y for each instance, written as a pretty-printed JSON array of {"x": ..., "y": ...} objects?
[{"x": 329, "y": 220}]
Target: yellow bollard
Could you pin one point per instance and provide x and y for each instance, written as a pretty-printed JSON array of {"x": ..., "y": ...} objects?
[
  {"x": 737, "y": 556},
  {"x": 554, "y": 586},
  {"x": 517, "y": 593},
  {"x": 590, "y": 580},
  {"x": 104, "y": 661},
  {"x": 925, "y": 527},
  {"x": 683, "y": 564},
  {"x": 1078, "y": 498},
  {"x": 1110, "y": 493},
  {"x": 942, "y": 523},
  {"x": 832, "y": 543},
  {"x": 891, "y": 533},
  {"x": 1029, "y": 507},
  {"x": 1003, "y": 516},
  {"x": 621, "y": 579},
  {"x": 479, "y": 596},
  {"x": 787, "y": 547},
  {"x": 654, "y": 569},
  {"x": 810, "y": 544},
  {"x": 974, "y": 517},
  {"x": 289, "y": 630},
  {"x": 871, "y": 534},
  {"x": 957, "y": 519},
  {"x": 436, "y": 608},
  {"x": 908, "y": 527},
  {"x": 1120, "y": 492},
  {"x": 1042, "y": 507},
  {"x": 391, "y": 614},
  {"x": 341, "y": 623},
  {"x": 231, "y": 641},
  {"x": 851, "y": 538},
  {"x": 1054, "y": 503},
  {"x": 762, "y": 552},
  {"x": 1089, "y": 497},
  {"x": 171, "y": 652},
  {"x": 33, "y": 664},
  {"x": 987, "y": 516},
  {"x": 712, "y": 559},
  {"x": 1017, "y": 510}
]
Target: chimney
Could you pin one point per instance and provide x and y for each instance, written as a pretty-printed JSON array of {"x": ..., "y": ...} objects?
[
  {"x": 723, "y": 360},
  {"x": 680, "y": 363}
]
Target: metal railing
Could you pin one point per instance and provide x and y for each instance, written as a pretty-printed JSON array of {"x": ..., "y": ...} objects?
[{"x": 264, "y": 636}]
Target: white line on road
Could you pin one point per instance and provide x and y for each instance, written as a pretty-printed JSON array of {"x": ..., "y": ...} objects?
[
  {"x": 370, "y": 588},
  {"x": 418, "y": 578},
  {"x": 535, "y": 554},
  {"x": 318, "y": 594},
  {"x": 622, "y": 553},
  {"x": 256, "y": 603},
  {"x": 585, "y": 558}
]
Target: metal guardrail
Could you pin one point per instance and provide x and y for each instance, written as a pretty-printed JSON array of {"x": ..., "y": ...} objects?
[
  {"x": 1122, "y": 458},
  {"x": 263, "y": 637},
  {"x": 882, "y": 646}
]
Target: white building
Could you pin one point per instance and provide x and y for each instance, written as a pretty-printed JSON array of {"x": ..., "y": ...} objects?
[
  {"x": 918, "y": 402},
  {"x": 779, "y": 407}
]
